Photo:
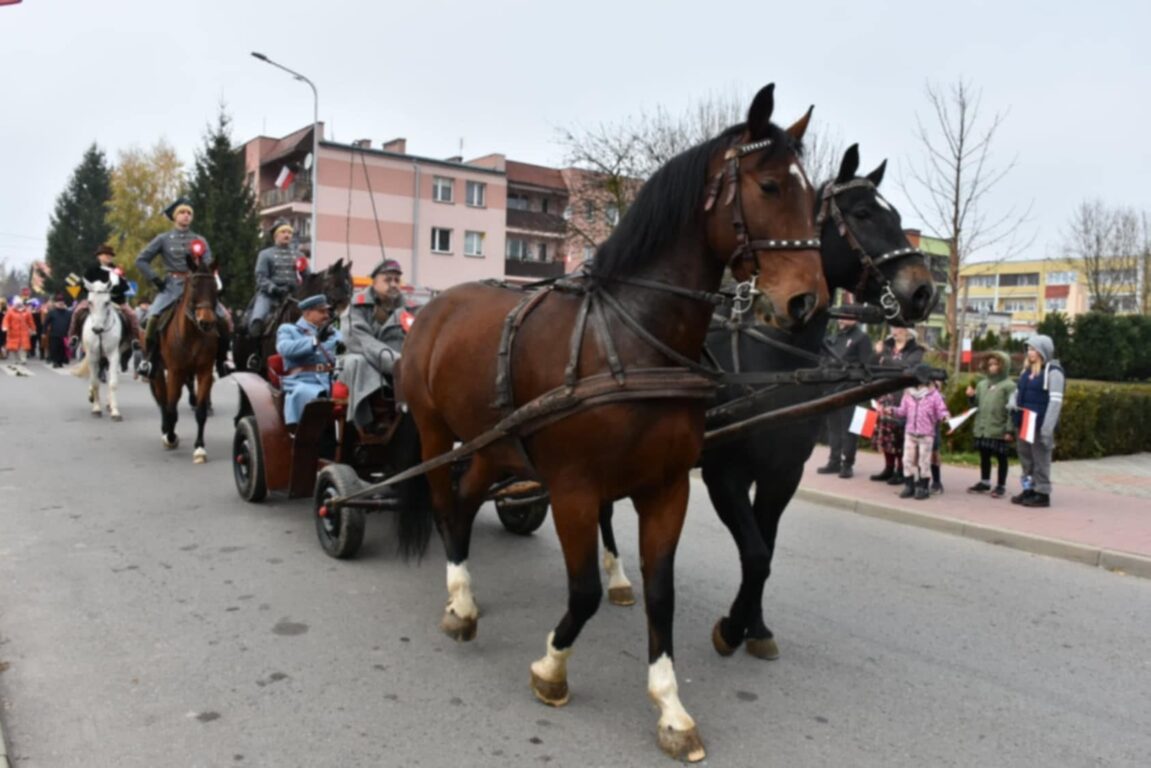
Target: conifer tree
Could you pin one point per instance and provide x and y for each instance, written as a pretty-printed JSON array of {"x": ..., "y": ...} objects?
[
  {"x": 78, "y": 225},
  {"x": 226, "y": 212}
]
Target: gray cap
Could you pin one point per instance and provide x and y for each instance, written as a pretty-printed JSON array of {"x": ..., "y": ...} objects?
[{"x": 1043, "y": 345}]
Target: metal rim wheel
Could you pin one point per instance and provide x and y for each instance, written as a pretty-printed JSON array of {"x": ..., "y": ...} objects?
[
  {"x": 341, "y": 531},
  {"x": 522, "y": 517},
  {"x": 248, "y": 461}
]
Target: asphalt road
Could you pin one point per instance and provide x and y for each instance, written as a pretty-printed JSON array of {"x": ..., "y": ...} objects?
[{"x": 149, "y": 617}]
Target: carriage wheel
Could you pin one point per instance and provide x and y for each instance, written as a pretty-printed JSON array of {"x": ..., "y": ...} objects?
[
  {"x": 522, "y": 518},
  {"x": 248, "y": 461},
  {"x": 341, "y": 531}
]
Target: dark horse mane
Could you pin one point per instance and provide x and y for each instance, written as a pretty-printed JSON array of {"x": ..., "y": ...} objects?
[{"x": 669, "y": 202}]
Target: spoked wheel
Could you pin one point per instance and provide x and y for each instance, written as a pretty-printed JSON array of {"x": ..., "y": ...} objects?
[
  {"x": 248, "y": 461},
  {"x": 341, "y": 531},
  {"x": 522, "y": 516}
]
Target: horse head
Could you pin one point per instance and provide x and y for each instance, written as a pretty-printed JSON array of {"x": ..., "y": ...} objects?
[
  {"x": 865, "y": 249},
  {"x": 99, "y": 305},
  {"x": 761, "y": 205},
  {"x": 200, "y": 294},
  {"x": 337, "y": 286}
]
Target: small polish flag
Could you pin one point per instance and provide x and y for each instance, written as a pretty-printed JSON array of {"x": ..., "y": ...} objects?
[
  {"x": 862, "y": 422},
  {"x": 1027, "y": 428},
  {"x": 286, "y": 177}
]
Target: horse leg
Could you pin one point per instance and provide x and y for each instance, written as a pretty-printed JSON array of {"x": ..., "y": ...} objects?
[
  {"x": 728, "y": 490},
  {"x": 171, "y": 408},
  {"x": 203, "y": 402},
  {"x": 661, "y": 513},
  {"x": 619, "y": 591},
  {"x": 577, "y": 536},
  {"x": 93, "y": 356},
  {"x": 113, "y": 385}
]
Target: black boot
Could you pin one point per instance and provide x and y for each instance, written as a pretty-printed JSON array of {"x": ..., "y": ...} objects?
[
  {"x": 897, "y": 478},
  {"x": 147, "y": 361},
  {"x": 1022, "y": 497},
  {"x": 921, "y": 490},
  {"x": 222, "y": 347},
  {"x": 830, "y": 468},
  {"x": 936, "y": 482},
  {"x": 908, "y": 488},
  {"x": 256, "y": 329},
  {"x": 1037, "y": 499},
  {"x": 884, "y": 476}
]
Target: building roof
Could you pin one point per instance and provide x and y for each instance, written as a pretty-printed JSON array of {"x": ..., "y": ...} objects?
[
  {"x": 289, "y": 145},
  {"x": 535, "y": 176}
]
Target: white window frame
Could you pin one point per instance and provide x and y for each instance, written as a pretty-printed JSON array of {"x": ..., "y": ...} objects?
[
  {"x": 1055, "y": 304},
  {"x": 470, "y": 238},
  {"x": 513, "y": 253},
  {"x": 481, "y": 192},
  {"x": 445, "y": 233},
  {"x": 441, "y": 183},
  {"x": 1065, "y": 277}
]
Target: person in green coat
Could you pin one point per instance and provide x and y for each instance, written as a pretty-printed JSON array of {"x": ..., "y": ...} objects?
[{"x": 993, "y": 428}]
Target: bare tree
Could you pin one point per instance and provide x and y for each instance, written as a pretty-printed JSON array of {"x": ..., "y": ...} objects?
[
  {"x": 1109, "y": 245},
  {"x": 949, "y": 189}
]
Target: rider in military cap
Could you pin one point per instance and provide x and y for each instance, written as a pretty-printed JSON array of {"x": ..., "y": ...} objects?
[
  {"x": 173, "y": 247},
  {"x": 308, "y": 347},
  {"x": 276, "y": 274},
  {"x": 375, "y": 338},
  {"x": 105, "y": 270}
]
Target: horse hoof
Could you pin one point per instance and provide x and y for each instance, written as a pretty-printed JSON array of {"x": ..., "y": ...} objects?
[
  {"x": 461, "y": 630},
  {"x": 199, "y": 456},
  {"x": 682, "y": 745},
  {"x": 721, "y": 645},
  {"x": 554, "y": 694},
  {"x": 763, "y": 648},
  {"x": 96, "y": 413},
  {"x": 621, "y": 596},
  {"x": 117, "y": 417},
  {"x": 171, "y": 445}
]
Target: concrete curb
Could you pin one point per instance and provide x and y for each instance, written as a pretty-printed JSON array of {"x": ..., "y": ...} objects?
[{"x": 1119, "y": 562}]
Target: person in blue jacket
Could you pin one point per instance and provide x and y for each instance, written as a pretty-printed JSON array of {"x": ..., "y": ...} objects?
[
  {"x": 1040, "y": 389},
  {"x": 308, "y": 347}
]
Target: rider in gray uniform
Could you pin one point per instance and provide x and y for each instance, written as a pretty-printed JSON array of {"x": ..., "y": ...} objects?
[
  {"x": 173, "y": 247},
  {"x": 374, "y": 339},
  {"x": 276, "y": 275}
]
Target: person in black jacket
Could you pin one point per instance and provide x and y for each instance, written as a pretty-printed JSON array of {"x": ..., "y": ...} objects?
[
  {"x": 59, "y": 317},
  {"x": 852, "y": 344}
]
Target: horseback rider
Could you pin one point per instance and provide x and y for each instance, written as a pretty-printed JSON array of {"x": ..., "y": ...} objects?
[
  {"x": 105, "y": 270},
  {"x": 279, "y": 269},
  {"x": 308, "y": 347},
  {"x": 174, "y": 247},
  {"x": 375, "y": 338}
]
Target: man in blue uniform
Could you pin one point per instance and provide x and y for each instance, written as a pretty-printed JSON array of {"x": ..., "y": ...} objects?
[
  {"x": 174, "y": 246},
  {"x": 308, "y": 347},
  {"x": 276, "y": 275}
]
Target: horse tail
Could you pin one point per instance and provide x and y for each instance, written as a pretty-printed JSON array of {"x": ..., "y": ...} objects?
[
  {"x": 415, "y": 521},
  {"x": 81, "y": 371}
]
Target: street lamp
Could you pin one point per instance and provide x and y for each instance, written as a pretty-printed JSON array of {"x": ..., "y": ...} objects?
[{"x": 315, "y": 144}]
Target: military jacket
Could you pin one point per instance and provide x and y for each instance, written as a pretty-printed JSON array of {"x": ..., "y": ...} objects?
[
  {"x": 276, "y": 267},
  {"x": 172, "y": 246},
  {"x": 370, "y": 335}
]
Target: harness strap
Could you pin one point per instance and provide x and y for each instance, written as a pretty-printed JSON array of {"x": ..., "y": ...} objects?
[{"x": 319, "y": 368}]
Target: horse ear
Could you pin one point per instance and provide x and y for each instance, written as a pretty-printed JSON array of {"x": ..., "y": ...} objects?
[
  {"x": 799, "y": 127},
  {"x": 849, "y": 165},
  {"x": 876, "y": 176},
  {"x": 759, "y": 114}
]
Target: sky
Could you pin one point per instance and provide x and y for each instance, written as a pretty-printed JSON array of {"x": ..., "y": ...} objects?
[{"x": 1071, "y": 78}]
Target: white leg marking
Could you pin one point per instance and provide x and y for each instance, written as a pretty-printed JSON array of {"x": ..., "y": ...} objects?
[
  {"x": 460, "y": 600},
  {"x": 553, "y": 667},
  {"x": 797, "y": 172},
  {"x": 614, "y": 569},
  {"x": 664, "y": 691}
]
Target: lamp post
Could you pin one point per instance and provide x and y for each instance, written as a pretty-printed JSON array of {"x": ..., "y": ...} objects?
[{"x": 315, "y": 144}]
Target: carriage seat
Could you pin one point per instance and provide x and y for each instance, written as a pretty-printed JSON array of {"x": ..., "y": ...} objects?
[{"x": 276, "y": 370}]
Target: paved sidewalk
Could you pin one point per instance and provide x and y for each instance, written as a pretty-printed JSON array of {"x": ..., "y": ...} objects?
[{"x": 1100, "y": 510}]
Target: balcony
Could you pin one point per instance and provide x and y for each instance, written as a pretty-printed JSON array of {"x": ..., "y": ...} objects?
[
  {"x": 296, "y": 192},
  {"x": 535, "y": 270}
]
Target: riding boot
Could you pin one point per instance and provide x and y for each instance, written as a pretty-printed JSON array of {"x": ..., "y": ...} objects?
[
  {"x": 222, "y": 346},
  {"x": 147, "y": 362},
  {"x": 256, "y": 329}
]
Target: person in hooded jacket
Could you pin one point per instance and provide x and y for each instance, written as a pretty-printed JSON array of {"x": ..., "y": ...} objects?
[
  {"x": 902, "y": 349},
  {"x": 992, "y": 425},
  {"x": 1039, "y": 389}
]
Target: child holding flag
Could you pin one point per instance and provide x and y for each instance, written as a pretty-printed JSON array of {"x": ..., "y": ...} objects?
[
  {"x": 923, "y": 408},
  {"x": 1038, "y": 401},
  {"x": 992, "y": 428}
]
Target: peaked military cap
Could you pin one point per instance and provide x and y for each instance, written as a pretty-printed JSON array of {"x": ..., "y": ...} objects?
[
  {"x": 388, "y": 265},
  {"x": 170, "y": 211},
  {"x": 105, "y": 249},
  {"x": 319, "y": 301},
  {"x": 281, "y": 224}
]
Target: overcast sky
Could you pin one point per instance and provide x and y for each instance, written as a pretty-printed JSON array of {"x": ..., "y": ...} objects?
[{"x": 504, "y": 75}]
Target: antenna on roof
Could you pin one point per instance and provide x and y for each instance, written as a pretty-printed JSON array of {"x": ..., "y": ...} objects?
[{"x": 461, "y": 152}]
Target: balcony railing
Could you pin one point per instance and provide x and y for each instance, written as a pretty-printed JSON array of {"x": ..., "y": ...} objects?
[
  {"x": 534, "y": 269},
  {"x": 296, "y": 192}
]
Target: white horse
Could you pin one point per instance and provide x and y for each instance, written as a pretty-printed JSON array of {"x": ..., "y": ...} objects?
[{"x": 101, "y": 340}]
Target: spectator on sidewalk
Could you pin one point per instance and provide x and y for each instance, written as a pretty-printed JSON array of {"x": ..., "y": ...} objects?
[
  {"x": 1040, "y": 389},
  {"x": 923, "y": 409},
  {"x": 898, "y": 349},
  {"x": 56, "y": 324},
  {"x": 852, "y": 345},
  {"x": 991, "y": 424},
  {"x": 19, "y": 327},
  {"x": 3, "y": 329}
]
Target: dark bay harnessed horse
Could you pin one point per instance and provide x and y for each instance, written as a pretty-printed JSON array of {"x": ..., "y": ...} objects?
[
  {"x": 335, "y": 283},
  {"x": 187, "y": 352},
  {"x": 478, "y": 351},
  {"x": 865, "y": 250}
]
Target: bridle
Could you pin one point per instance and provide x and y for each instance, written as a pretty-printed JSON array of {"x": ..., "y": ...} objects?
[
  {"x": 190, "y": 309},
  {"x": 829, "y": 208},
  {"x": 107, "y": 309}
]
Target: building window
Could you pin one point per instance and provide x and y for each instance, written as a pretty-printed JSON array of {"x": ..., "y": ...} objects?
[
  {"x": 588, "y": 252},
  {"x": 1019, "y": 279},
  {"x": 543, "y": 252},
  {"x": 1125, "y": 303},
  {"x": 516, "y": 249},
  {"x": 589, "y": 211},
  {"x": 1117, "y": 276},
  {"x": 1056, "y": 305},
  {"x": 1019, "y": 305},
  {"x": 1062, "y": 278},
  {"x": 473, "y": 243},
  {"x": 441, "y": 240},
  {"x": 611, "y": 214},
  {"x": 477, "y": 194},
  {"x": 544, "y": 205},
  {"x": 982, "y": 281},
  {"x": 518, "y": 202},
  {"x": 442, "y": 189},
  {"x": 980, "y": 305}
]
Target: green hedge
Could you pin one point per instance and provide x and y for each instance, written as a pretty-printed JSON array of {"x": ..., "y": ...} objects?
[{"x": 1098, "y": 419}]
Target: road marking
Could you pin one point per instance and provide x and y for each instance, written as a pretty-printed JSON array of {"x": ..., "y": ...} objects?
[{"x": 17, "y": 370}]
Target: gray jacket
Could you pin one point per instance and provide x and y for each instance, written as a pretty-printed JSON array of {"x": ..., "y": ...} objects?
[
  {"x": 276, "y": 267},
  {"x": 379, "y": 341},
  {"x": 173, "y": 246}
]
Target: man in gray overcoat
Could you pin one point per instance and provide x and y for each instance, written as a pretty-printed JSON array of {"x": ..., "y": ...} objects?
[
  {"x": 277, "y": 275},
  {"x": 375, "y": 338}
]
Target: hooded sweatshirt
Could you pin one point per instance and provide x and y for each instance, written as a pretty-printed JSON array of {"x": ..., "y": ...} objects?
[
  {"x": 992, "y": 395},
  {"x": 1043, "y": 392}
]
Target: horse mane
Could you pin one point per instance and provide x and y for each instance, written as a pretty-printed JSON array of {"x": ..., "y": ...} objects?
[{"x": 669, "y": 203}]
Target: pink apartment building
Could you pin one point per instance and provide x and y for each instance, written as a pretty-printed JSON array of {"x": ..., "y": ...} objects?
[{"x": 447, "y": 221}]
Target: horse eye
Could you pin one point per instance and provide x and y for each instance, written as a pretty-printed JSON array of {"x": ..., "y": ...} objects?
[
  {"x": 770, "y": 187},
  {"x": 861, "y": 213}
]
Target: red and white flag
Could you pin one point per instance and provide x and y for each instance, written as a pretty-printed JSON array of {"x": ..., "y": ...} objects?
[
  {"x": 286, "y": 177},
  {"x": 1027, "y": 427},
  {"x": 862, "y": 422}
]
